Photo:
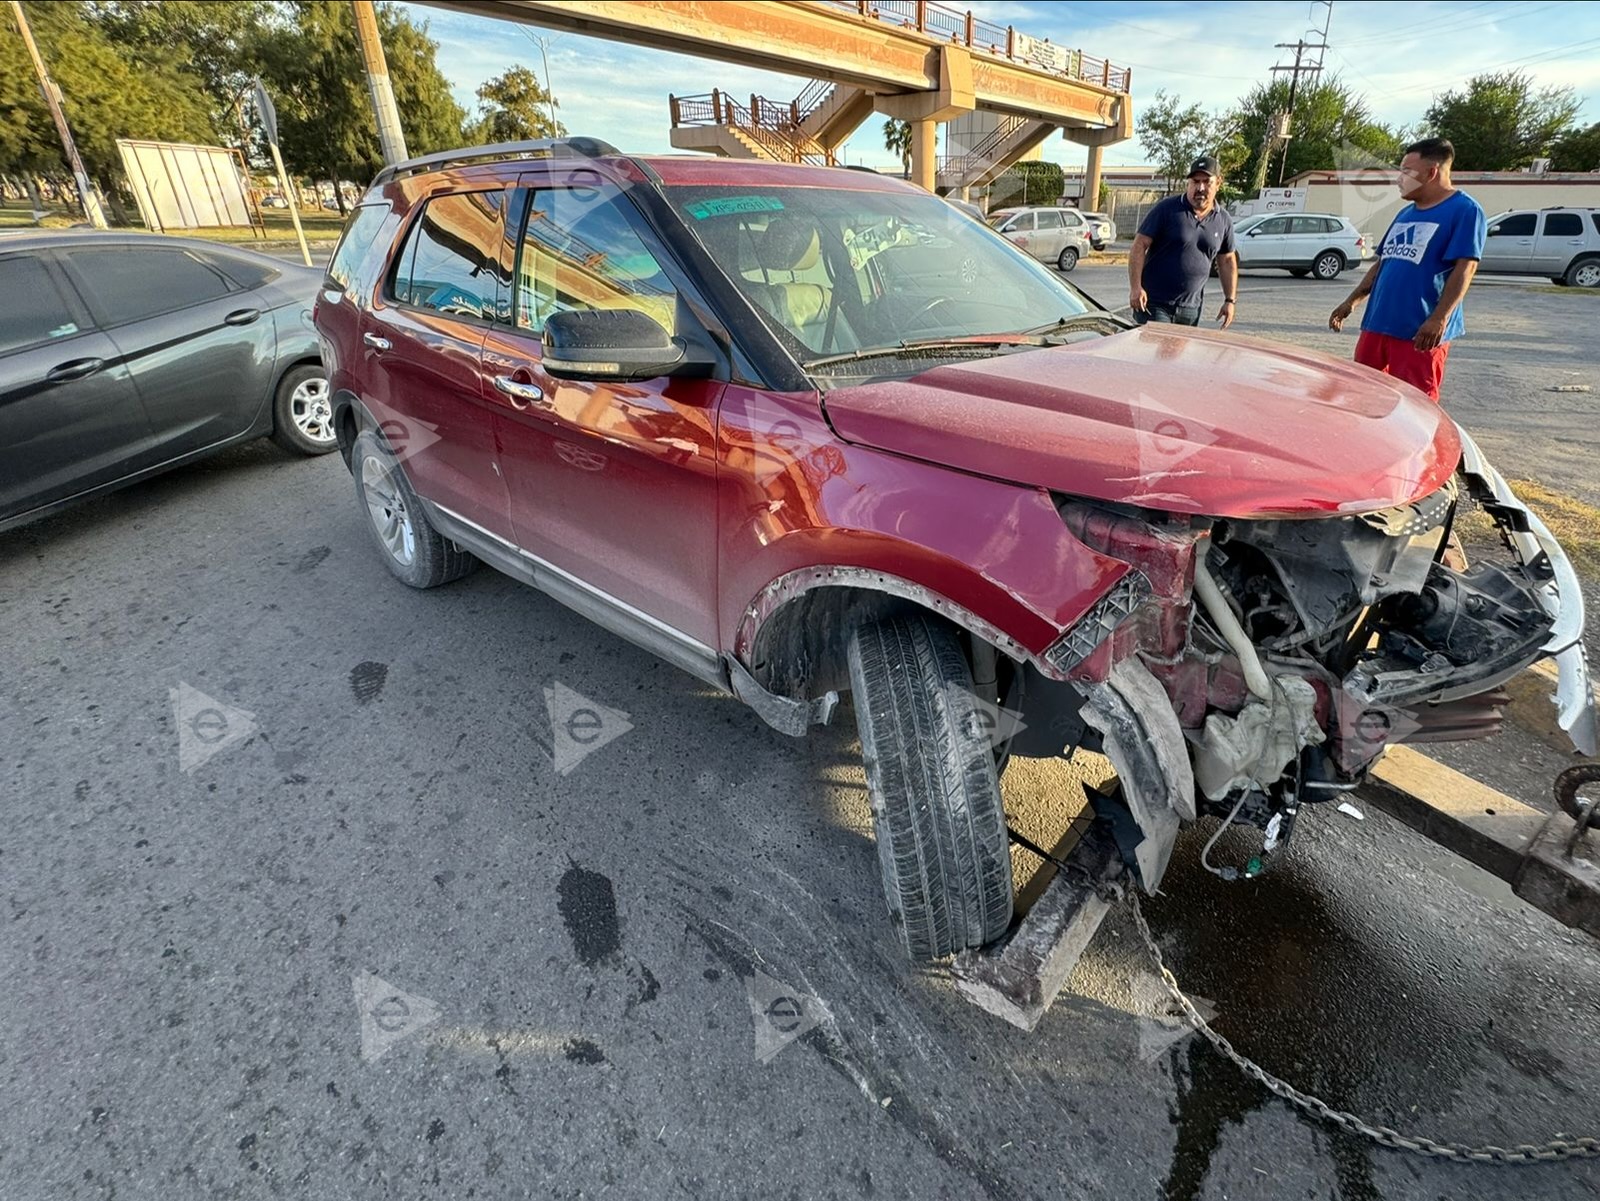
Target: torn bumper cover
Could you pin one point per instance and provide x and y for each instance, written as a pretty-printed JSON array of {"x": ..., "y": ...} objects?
[{"x": 1560, "y": 594}]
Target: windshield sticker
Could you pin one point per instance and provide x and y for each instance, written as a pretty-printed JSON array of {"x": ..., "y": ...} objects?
[{"x": 722, "y": 207}]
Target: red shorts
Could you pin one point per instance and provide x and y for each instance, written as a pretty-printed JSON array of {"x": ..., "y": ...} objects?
[{"x": 1422, "y": 369}]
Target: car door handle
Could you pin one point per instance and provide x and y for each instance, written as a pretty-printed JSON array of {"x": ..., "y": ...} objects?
[
  {"x": 74, "y": 369},
  {"x": 377, "y": 343},
  {"x": 517, "y": 390},
  {"x": 241, "y": 316}
]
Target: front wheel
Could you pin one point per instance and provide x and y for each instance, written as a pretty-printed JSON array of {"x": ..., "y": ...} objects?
[
  {"x": 302, "y": 411},
  {"x": 1328, "y": 265},
  {"x": 1584, "y": 274},
  {"x": 936, "y": 808},
  {"x": 1067, "y": 259}
]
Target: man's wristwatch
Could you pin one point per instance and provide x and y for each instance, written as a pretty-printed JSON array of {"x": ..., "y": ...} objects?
[{"x": 1227, "y": 300}]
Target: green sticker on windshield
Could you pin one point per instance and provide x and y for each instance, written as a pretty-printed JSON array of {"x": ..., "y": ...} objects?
[{"x": 722, "y": 207}]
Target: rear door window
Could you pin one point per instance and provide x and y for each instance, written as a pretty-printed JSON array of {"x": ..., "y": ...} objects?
[
  {"x": 1307, "y": 225},
  {"x": 1048, "y": 219},
  {"x": 1563, "y": 225},
  {"x": 130, "y": 283},
  {"x": 448, "y": 262},
  {"x": 45, "y": 318}
]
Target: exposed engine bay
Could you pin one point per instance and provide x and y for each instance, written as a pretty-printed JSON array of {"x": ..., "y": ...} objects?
[{"x": 1247, "y": 667}]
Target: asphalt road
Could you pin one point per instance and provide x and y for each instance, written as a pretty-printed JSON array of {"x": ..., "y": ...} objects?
[
  {"x": 1524, "y": 338},
  {"x": 317, "y": 886}
]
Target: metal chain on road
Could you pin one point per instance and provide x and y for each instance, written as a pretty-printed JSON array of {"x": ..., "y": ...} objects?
[{"x": 1522, "y": 1153}]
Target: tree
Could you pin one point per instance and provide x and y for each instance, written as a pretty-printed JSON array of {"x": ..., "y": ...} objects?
[
  {"x": 109, "y": 91},
  {"x": 1500, "y": 123},
  {"x": 218, "y": 39},
  {"x": 516, "y": 107},
  {"x": 313, "y": 65},
  {"x": 1173, "y": 137},
  {"x": 897, "y": 140},
  {"x": 1331, "y": 128},
  {"x": 1578, "y": 150}
]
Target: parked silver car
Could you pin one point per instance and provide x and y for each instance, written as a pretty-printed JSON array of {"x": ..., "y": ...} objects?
[
  {"x": 1562, "y": 243},
  {"x": 1051, "y": 235},
  {"x": 1319, "y": 244}
]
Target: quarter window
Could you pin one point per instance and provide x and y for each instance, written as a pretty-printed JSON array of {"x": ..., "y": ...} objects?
[
  {"x": 448, "y": 263},
  {"x": 359, "y": 233},
  {"x": 132, "y": 283},
  {"x": 1563, "y": 225},
  {"x": 45, "y": 316},
  {"x": 580, "y": 251}
]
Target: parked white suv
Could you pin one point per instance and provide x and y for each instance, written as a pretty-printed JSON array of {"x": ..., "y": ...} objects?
[
  {"x": 1052, "y": 235},
  {"x": 1319, "y": 244},
  {"x": 1562, "y": 243},
  {"x": 1107, "y": 232}
]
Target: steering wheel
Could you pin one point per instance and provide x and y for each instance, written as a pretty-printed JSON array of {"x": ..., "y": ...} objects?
[{"x": 926, "y": 309}]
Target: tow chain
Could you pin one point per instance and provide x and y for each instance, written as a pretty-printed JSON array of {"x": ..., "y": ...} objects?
[{"x": 1522, "y": 1153}]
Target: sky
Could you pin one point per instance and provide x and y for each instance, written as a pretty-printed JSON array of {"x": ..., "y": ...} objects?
[{"x": 1398, "y": 56}]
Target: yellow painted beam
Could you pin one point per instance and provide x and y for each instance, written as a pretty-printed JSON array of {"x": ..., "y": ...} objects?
[{"x": 819, "y": 42}]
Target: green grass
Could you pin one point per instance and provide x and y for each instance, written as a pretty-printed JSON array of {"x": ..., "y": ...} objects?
[
  {"x": 1576, "y": 525},
  {"x": 319, "y": 225},
  {"x": 1554, "y": 290}
]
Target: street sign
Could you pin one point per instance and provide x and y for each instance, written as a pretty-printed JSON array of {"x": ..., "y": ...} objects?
[{"x": 267, "y": 113}]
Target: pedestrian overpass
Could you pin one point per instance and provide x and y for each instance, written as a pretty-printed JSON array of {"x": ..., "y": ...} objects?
[{"x": 913, "y": 60}]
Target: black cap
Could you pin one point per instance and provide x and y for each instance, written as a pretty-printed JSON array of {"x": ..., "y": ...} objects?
[{"x": 1205, "y": 163}]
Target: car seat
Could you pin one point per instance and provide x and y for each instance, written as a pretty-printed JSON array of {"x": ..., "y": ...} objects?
[{"x": 789, "y": 248}]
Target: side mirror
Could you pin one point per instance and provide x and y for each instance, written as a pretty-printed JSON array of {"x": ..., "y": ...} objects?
[{"x": 617, "y": 344}]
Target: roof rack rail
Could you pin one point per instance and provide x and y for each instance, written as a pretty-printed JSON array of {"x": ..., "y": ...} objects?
[{"x": 550, "y": 147}]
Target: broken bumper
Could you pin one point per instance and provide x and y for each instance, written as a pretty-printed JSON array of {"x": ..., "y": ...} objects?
[{"x": 1560, "y": 595}]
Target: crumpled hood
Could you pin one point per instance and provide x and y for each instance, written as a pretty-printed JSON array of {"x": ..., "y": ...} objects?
[{"x": 1183, "y": 421}]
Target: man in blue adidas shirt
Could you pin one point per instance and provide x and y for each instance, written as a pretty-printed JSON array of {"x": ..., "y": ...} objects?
[{"x": 1424, "y": 267}]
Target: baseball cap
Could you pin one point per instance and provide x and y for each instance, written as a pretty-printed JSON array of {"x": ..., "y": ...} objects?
[{"x": 1205, "y": 163}]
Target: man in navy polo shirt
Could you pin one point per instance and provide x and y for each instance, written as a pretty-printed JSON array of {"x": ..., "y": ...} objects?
[
  {"x": 1425, "y": 266},
  {"x": 1178, "y": 241}
]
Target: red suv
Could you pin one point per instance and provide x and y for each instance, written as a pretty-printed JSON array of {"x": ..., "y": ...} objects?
[{"x": 804, "y": 431}]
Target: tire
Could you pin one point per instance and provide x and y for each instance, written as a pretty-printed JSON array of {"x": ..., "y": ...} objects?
[
  {"x": 1585, "y": 273},
  {"x": 1328, "y": 265},
  {"x": 1067, "y": 259},
  {"x": 941, "y": 830},
  {"x": 302, "y": 412},
  {"x": 1299, "y": 272},
  {"x": 413, "y": 550}
]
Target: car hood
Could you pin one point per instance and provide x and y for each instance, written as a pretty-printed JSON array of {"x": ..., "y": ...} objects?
[{"x": 1184, "y": 421}]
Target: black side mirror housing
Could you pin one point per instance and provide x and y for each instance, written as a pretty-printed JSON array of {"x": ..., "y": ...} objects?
[{"x": 618, "y": 344}]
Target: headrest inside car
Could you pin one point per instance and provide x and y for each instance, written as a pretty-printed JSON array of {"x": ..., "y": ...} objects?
[{"x": 789, "y": 245}]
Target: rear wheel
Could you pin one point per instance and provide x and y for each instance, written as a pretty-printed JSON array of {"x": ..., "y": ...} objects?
[
  {"x": 413, "y": 550},
  {"x": 1067, "y": 259},
  {"x": 1328, "y": 265},
  {"x": 1585, "y": 273},
  {"x": 936, "y": 808}
]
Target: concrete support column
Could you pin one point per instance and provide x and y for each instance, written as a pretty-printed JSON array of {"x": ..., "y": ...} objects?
[
  {"x": 924, "y": 161},
  {"x": 1091, "y": 181},
  {"x": 391, "y": 140}
]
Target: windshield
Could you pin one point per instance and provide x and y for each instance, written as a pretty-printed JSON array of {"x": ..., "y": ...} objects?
[{"x": 836, "y": 270}]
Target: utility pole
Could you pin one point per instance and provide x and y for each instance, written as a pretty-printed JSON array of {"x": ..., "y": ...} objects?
[
  {"x": 391, "y": 139},
  {"x": 52, "y": 100},
  {"x": 1302, "y": 66},
  {"x": 544, "y": 56}
]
